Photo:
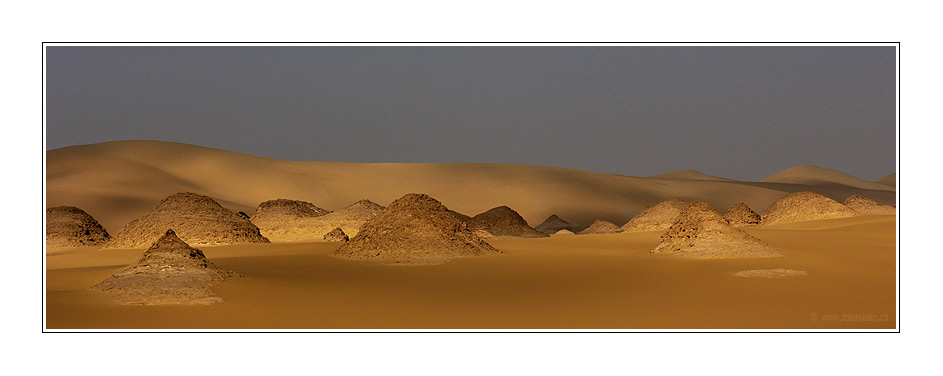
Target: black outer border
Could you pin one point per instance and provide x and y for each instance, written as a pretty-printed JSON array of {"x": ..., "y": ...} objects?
[{"x": 433, "y": 331}]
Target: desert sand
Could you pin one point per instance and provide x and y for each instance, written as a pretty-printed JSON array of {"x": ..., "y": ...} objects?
[
  {"x": 589, "y": 281},
  {"x": 607, "y": 281}
]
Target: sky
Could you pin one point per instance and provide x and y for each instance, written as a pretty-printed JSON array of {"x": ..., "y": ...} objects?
[{"x": 741, "y": 112}]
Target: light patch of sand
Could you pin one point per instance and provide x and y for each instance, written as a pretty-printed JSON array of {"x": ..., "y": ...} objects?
[{"x": 769, "y": 273}]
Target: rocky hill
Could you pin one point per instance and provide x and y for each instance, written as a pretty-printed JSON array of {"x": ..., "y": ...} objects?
[
  {"x": 503, "y": 221},
  {"x": 197, "y": 219},
  {"x": 68, "y": 226},
  {"x": 415, "y": 228},
  {"x": 170, "y": 272},
  {"x": 701, "y": 232}
]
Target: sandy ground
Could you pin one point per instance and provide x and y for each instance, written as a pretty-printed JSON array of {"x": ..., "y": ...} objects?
[{"x": 606, "y": 281}]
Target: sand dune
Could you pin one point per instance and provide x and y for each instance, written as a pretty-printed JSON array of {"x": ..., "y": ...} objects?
[
  {"x": 689, "y": 175},
  {"x": 815, "y": 175},
  {"x": 890, "y": 180},
  {"x": 120, "y": 181}
]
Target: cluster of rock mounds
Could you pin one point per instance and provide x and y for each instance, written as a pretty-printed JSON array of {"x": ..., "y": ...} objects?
[
  {"x": 701, "y": 232},
  {"x": 415, "y": 228},
  {"x": 867, "y": 206},
  {"x": 169, "y": 272},
  {"x": 286, "y": 220},
  {"x": 197, "y": 219},
  {"x": 68, "y": 226}
]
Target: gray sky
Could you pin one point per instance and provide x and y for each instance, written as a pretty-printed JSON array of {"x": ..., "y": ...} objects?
[{"x": 739, "y": 112}]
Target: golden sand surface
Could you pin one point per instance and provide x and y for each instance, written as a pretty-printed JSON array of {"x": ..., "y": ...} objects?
[{"x": 601, "y": 281}]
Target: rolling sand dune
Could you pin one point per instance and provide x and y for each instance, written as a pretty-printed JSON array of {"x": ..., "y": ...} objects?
[
  {"x": 689, "y": 175},
  {"x": 890, "y": 180},
  {"x": 120, "y": 181},
  {"x": 819, "y": 176}
]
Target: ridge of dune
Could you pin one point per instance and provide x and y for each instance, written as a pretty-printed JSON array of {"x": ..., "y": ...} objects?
[
  {"x": 690, "y": 175},
  {"x": 890, "y": 180},
  {"x": 816, "y": 175}
]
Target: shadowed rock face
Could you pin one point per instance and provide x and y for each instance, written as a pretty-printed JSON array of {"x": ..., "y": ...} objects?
[
  {"x": 415, "y": 228},
  {"x": 740, "y": 215},
  {"x": 868, "y": 206},
  {"x": 336, "y": 235},
  {"x": 805, "y": 206},
  {"x": 701, "y": 232},
  {"x": 657, "y": 217},
  {"x": 198, "y": 220},
  {"x": 170, "y": 272},
  {"x": 68, "y": 226},
  {"x": 600, "y": 227},
  {"x": 553, "y": 224},
  {"x": 503, "y": 221}
]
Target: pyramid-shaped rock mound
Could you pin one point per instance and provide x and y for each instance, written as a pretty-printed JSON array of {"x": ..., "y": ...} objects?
[
  {"x": 283, "y": 219},
  {"x": 197, "y": 219},
  {"x": 740, "y": 215},
  {"x": 701, "y": 232},
  {"x": 868, "y": 206},
  {"x": 336, "y": 235},
  {"x": 503, "y": 221},
  {"x": 170, "y": 272},
  {"x": 600, "y": 227},
  {"x": 414, "y": 228},
  {"x": 657, "y": 217},
  {"x": 553, "y": 224},
  {"x": 564, "y": 232},
  {"x": 805, "y": 206},
  {"x": 69, "y": 226}
]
